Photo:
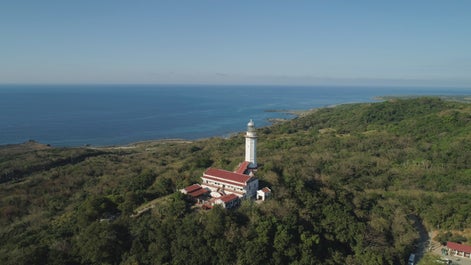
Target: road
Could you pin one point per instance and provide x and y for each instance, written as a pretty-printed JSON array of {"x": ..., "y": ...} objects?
[
  {"x": 424, "y": 237},
  {"x": 426, "y": 244}
]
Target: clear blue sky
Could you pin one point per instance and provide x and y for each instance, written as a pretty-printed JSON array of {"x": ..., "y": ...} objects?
[{"x": 236, "y": 42}]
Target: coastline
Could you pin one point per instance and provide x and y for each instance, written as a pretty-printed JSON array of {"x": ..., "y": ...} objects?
[
  {"x": 127, "y": 125},
  {"x": 457, "y": 98}
]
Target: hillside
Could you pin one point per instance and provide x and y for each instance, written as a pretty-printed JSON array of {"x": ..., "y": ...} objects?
[{"x": 348, "y": 184}]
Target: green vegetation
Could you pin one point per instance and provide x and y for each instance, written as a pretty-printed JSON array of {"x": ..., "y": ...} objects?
[
  {"x": 449, "y": 236},
  {"x": 348, "y": 184},
  {"x": 432, "y": 259}
]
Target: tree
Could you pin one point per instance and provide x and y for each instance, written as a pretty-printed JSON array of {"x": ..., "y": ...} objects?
[{"x": 102, "y": 243}]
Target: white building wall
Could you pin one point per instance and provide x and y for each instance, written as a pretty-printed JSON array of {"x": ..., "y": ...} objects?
[
  {"x": 251, "y": 189},
  {"x": 251, "y": 144},
  {"x": 228, "y": 188},
  {"x": 250, "y": 150}
]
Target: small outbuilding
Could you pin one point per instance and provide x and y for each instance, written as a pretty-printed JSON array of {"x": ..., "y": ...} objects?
[
  {"x": 227, "y": 201},
  {"x": 196, "y": 192},
  {"x": 263, "y": 194}
]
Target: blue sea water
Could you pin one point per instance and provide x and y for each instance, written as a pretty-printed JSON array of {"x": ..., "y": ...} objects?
[{"x": 98, "y": 115}]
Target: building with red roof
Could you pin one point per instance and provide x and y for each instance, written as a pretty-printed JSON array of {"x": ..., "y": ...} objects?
[
  {"x": 196, "y": 192},
  {"x": 226, "y": 187},
  {"x": 459, "y": 249},
  {"x": 191, "y": 188},
  {"x": 227, "y": 201},
  {"x": 227, "y": 182},
  {"x": 243, "y": 168},
  {"x": 242, "y": 181},
  {"x": 263, "y": 194}
]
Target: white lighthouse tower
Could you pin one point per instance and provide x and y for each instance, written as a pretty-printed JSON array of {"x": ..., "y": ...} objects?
[{"x": 251, "y": 145}]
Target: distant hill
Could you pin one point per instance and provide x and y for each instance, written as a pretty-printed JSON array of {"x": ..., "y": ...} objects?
[{"x": 349, "y": 184}]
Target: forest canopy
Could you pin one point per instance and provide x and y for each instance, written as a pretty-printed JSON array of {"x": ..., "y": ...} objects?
[{"x": 349, "y": 184}]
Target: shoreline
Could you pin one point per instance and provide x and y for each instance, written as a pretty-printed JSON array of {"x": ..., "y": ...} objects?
[
  {"x": 456, "y": 98},
  {"x": 292, "y": 114}
]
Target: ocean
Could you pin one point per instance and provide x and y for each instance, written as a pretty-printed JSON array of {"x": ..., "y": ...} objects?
[{"x": 102, "y": 115}]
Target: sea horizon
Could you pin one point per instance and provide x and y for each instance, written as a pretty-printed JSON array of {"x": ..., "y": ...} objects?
[{"x": 120, "y": 114}]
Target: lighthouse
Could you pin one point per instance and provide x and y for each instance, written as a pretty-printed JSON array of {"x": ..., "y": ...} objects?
[{"x": 251, "y": 145}]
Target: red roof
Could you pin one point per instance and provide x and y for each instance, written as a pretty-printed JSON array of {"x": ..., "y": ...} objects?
[
  {"x": 225, "y": 175},
  {"x": 198, "y": 192},
  {"x": 228, "y": 198},
  {"x": 242, "y": 167},
  {"x": 225, "y": 181},
  {"x": 266, "y": 190},
  {"x": 459, "y": 247},
  {"x": 192, "y": 188}
]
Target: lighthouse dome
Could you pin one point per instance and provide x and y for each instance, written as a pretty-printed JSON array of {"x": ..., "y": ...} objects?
[{"x": 251, "y": 123}]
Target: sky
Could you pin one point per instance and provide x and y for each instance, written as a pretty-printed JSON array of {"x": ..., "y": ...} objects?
[{"x": 417, "y": 43}]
